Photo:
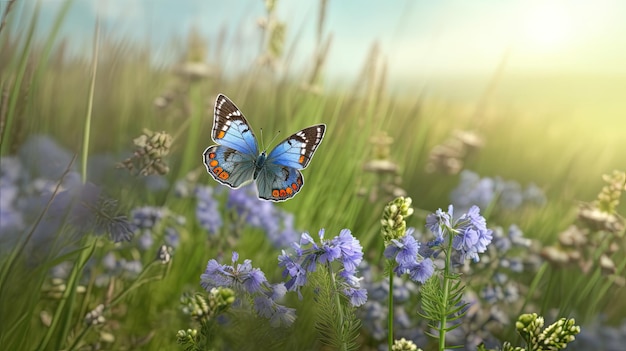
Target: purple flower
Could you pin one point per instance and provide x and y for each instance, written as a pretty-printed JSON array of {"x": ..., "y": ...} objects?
[
  {"x": 470, "y": 233},
  {"x": 438, "y": 221},
  {"x": 405, "y": 252},
  {"x": 250, "y": 281},
  {"x": 42, "y": 157},
  {"x": 159, "y": 222},
  {"x": 344, "y": 248},
  {"x": 207, "y": 211},
  {"x": 277, "y": 224}
]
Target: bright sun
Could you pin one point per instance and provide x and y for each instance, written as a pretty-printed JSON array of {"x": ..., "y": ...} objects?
[{"x": 548, "y": 26}]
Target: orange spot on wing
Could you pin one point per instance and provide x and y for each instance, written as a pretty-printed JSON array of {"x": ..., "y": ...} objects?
[
  {"x": 294, "y": 186},
  {"x": 217, "y": 170},
  {"x": 283, "y": 193},
  {"x": 213, "y": 163},
  {"x": 212, "y": 155},
  {"x": 301, "y": 159},
  {"x": 224, "y": 175},
  {"x": 275, "y": 193},
  {"x": 289, "y": 191},
  {"x": 221, "y": 134},
  {"x": 299, "y": 181}
]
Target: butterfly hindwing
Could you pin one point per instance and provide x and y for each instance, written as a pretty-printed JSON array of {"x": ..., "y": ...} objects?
[
  {"x": 297, "y": 150},
  {"x": 279, "y": 183},
  {"x": 229, "y": 166},
  {"x": 231, "y": 129}
]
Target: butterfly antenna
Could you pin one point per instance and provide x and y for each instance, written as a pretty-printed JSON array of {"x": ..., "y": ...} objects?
[
  {"x": 271, "y": 141},
  {"x": 262, "y": 146}
]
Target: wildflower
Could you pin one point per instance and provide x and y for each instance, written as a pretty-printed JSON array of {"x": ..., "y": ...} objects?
[
  {"x": 11, "y": 218},
  {"x": 344, "y": 248},
  {"x": 42, "y": 157},
  {"x": 470, "y": 235},
  {"x": 205, "y": 307},
  {"x": 483, "y": 192},
  {"x": 151, "y": 222},
  {"x": 393, "y": 221},
  {"x": 95, "y": 317},
  {"x": 554, "y": 337},
  {"x": 405, "y": 252},
  {"x": 250, "y": 281},
  {"x": 404, "y": 345},
  {"x": 207, "y": 211},
  {"x": 164, "y": 254},
  {"x": 148, "y": 158},
  {"x": 449, "y": 156},
  {"x": 265, "y": 215}
]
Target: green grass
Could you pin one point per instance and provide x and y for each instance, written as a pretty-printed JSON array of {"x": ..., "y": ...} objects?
[{"x": 563, "y": 152}]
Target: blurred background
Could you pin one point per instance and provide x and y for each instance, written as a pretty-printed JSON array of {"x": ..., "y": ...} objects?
[{"x": 517, "y": 106}]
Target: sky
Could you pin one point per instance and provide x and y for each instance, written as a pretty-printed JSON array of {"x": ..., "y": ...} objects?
[{"x": 419, "y": 39}]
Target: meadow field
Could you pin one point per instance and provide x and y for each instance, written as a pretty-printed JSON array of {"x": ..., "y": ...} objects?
[{"x": 115, "y": 237}]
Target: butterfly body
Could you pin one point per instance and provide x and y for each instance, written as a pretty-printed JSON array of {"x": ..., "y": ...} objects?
[{"x": 236, "y": 160}]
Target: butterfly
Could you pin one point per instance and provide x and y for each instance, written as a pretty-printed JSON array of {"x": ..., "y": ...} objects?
[{"x": 236, "y": 160}]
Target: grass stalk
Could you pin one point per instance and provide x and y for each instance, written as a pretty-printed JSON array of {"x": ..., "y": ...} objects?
[
  {"x": 92, "y": 88},
  {"x": 5, "y": 134}
]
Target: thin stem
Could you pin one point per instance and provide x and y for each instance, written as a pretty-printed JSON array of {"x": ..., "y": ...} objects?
[
  {"x": 344, "y": 346},
  {"x": 390, "y": 307},
  {"x": 92, "y": 87},
  {"x": 446, "y": 293}
]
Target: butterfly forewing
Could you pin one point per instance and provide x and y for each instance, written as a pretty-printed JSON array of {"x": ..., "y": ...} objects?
[
  {"x": 230, "y": 127},
  {"x": 297, "y": 150}
]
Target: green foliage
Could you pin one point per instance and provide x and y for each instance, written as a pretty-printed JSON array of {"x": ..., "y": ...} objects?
[
  {"x": 204, "y": 309},
  {"x": 336, "y": 322},
  {"x": 394, "y": 218},
  {"x": 554, "y": 337},
  {"x": 438, "y": 306}
]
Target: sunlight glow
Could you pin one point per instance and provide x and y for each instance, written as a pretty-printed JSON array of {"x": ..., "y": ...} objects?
[{"x": 548, "y": 26}]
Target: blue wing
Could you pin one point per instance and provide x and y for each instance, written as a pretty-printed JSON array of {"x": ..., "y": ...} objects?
[
  {"x": 280, "y": 178},
  {"x": 231, "y": 129},
  {"x": 229, "y": 166},
  {"x": 297, "y": 150},
  {"x": 278, "y": 183}
]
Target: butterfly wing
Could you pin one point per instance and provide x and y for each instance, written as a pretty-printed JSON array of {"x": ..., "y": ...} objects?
[
  {"x": 229, "y": 166},
  {"x": 231, "y": 129},
  {"x": 280, "y": 178},
  {"x": 278, "y": 183},
  {"x": 231, "y": 162}
]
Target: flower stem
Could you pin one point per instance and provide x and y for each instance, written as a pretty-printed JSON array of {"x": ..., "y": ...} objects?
[
  {"x": 445, "y": 296},
  {"x": 344, "y": 346},
  {"x": 390, "y": 307}
]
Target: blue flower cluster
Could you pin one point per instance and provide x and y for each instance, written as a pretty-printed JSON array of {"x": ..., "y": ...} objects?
[
  {"x": 207, "y": 210},
  {"x": 507, "y": 194},
  {"x": 277, "y": 224},
  {"x": 501, "y": 260},
  {"x": 245, "y": 279},
  {"x": 344, "y": 249},
  {"x": 599, "y": 335},
  {"x": 28, "y": 182},
  {"x": 469, "y": 231},
  {"x": 405, "y": 252},
  {"x": 152, "y": 222}
]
